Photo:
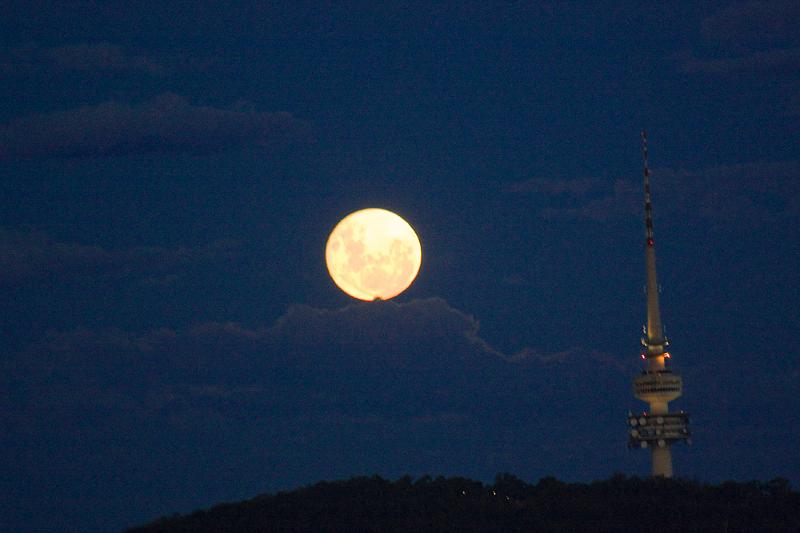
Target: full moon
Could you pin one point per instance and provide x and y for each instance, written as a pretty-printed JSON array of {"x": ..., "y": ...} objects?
[{"x": 373, "y": 253}]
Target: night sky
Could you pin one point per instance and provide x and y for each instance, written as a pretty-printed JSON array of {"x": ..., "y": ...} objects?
[{"x": 169, "y": 174}]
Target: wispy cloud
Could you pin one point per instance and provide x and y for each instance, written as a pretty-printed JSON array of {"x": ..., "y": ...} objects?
[
  {"x": 578, "y": 186},
  {"x": 773, "y": 61},
  {"x": 31, "y": 255},
  {"x": 751, "y": 193},
  {"x": 590, "y": 198},
  {"x": 167, "y": 123},
  {"x": 83, "y": 57},
  {"x": 752, "y": 38},
  {"x": 622, "y": 200},
  {"x": 762, "y": 20}
]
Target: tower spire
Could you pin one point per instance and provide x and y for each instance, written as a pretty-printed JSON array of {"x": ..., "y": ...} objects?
[
  {"x": 657, "y": 385},
  {"x": 655, "y": 343}
]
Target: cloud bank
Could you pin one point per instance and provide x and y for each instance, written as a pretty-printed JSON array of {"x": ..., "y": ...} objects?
[
  {"x": 394, "y": 361},
  {"x": 167, "y": 123}
]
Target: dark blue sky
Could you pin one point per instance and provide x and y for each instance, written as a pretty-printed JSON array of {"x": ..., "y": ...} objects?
[{"x": 169, "y": 175}]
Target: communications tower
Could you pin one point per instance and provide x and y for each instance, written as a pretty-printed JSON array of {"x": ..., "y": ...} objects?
[{"x": 657, "y": 429}]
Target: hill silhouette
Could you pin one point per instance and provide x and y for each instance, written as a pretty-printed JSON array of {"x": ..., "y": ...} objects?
[{"x": 619, "y": 504}]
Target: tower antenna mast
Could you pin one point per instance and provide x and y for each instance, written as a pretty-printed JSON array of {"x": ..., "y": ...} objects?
[{"x": 655, "y": 331}]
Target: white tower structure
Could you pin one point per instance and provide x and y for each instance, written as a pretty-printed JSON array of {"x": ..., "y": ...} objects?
[{"x": 657, "y": 385}]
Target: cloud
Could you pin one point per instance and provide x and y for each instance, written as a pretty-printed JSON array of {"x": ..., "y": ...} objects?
[
  {"x": 386, "y": 324},
  {"x": 423, "y": 347},
  {"x": 579, "y": 186},
  {"x": 100, "y": 56},
  {"x": 576, "y": 355},
  {"x": 750, "y": 21},
  {"x": 756, "y": 39},
  {"x": 620, "y": 202},
  {"x": 776, "y": 61},
  {"x": 83, "y": 57},
  {"x": 31, "y": 255},
  {"x": 583, "y": 198},
  {"x": 751, "y": 193},
  {"x": 167, "y": 123}
]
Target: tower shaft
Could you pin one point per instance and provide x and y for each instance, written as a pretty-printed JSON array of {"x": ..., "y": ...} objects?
[{"x": 662, "y": 461}]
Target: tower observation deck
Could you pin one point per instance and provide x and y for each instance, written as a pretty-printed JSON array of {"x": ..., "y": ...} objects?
[{"x": 657, "y": 385}]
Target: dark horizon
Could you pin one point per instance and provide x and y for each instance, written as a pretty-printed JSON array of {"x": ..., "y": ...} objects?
[{"x": 509, "y": 504}]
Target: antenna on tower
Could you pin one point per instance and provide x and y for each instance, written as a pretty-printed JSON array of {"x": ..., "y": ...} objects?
[{"x": 648, "y": 208}]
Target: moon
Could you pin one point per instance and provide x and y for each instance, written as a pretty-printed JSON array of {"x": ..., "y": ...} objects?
[{"x": 373, "y": 254}]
